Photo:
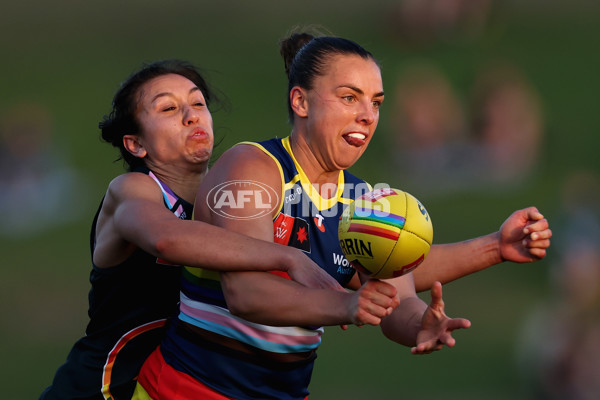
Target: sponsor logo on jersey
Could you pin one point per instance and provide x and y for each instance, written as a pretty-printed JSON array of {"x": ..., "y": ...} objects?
[
  {"x": 319, "y": 222},
  {"x": 291, "y": 231},
  {"x": 343, "y": 266}
]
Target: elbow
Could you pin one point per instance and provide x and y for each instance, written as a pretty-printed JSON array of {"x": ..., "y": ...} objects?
[
  {"x": 240, "y": 300},
  {"x": 237, "y": 302},
  {"x": 398, "y": 332},
  {"x": 165, "y": 246},
  {"x": 237, "y": 308},
  {"x": 240, "y": 308}
]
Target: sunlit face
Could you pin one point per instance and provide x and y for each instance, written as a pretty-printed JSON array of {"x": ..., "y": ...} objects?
[
  {"x": 176, "y": 125},
  {"x": 343, "y": 111}
]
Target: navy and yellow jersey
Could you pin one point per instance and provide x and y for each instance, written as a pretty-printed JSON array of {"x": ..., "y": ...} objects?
[
  {"x": 246, "y": 360},
  {"x": 128, "y": 308},
  {"x": 306, "y": 220}
]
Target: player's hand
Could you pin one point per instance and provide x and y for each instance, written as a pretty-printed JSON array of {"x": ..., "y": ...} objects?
[
  {"x": 374, "y": 300},
  {"x": 306, "y": 272},
  {"x": 436, "y": 326},
  {"x": 524, "y": 236}
]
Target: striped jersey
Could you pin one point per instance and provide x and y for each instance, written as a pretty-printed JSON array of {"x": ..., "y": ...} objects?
[
  {"x": 246, "y": 360},
  {"x": 128, "y": 307}
]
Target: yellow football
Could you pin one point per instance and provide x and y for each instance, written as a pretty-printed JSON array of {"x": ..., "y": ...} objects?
[{"x": 385, "y": 233}]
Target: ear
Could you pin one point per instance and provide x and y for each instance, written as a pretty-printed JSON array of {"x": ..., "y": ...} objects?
[
  {"x": 133, "y": 145},
  {"x": 299, "y": 101}
]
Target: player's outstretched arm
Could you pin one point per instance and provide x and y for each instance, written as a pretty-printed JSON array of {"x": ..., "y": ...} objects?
[
  {"x": 416, "y": 325},
  {"x": 523, "y": 237}
]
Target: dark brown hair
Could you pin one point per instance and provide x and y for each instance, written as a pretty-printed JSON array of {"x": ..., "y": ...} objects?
[
  {"x": 122, "y": 119},
  {"x": 306, "y": 56}
]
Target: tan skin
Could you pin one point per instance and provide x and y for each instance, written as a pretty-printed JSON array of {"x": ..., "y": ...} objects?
[
  {"x": 176, "y": 141},
  {"x": 334, "y": 121}
]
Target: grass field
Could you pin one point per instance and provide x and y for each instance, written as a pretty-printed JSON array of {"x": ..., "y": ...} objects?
[{"x": 70, "y": 56}]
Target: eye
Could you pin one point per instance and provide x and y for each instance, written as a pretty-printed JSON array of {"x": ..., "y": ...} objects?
[
  {"x": 166, "y": 106},
  {"x": 349, "y": 98},
  {"x": 376, "y": 104}
]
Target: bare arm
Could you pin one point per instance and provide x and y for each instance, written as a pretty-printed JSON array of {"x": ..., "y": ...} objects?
[
  {"x": 403, "y": 325},
  {"x": 133, "y": 216},
  {"x": 523, "y": 237}
]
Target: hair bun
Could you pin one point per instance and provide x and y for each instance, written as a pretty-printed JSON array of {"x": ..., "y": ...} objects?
[{"x": 288, "y": 48}]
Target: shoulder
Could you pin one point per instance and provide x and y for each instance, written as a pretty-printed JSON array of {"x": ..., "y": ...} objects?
[
  {"x": 243, "y": 164},
  {"x": 130, "y": 181},
  {"x": 247, "y": 152},
  {"x": 130, "y": 185},
  {"x": 243, "y": 160}
]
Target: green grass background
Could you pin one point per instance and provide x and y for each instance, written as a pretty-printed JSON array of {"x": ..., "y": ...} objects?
[{"x": 71, "y": 56}]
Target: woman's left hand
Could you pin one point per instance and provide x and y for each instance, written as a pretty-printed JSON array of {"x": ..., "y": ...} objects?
[{"x": 436, "y": 326}]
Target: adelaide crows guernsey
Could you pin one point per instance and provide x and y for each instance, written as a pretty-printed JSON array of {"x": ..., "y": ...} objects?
[
  {"x": 246, "y": 360},
  {"x": 128, "y": 307}
]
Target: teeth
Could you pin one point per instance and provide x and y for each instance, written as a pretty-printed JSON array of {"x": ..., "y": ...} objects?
[{"x": 357, "y": 136}]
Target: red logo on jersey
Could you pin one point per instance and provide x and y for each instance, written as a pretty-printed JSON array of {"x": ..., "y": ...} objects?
[
  {"x": 302, "y": 235},
  {"x": 291, "y": 231},
  {"x": 319, "y": 222}
]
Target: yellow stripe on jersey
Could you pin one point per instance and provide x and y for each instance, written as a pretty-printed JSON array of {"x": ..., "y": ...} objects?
[
  {"x": 278, "y": 167},
  {"x": 313, "y": 194}
]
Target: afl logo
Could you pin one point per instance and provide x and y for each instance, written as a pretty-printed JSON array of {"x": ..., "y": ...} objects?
[{"x": 241, "y": 199}]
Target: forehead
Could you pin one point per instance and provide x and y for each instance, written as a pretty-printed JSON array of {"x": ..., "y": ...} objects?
[
  {"x": 352, "y": 69},
  {"x": 169, "y": 84}
]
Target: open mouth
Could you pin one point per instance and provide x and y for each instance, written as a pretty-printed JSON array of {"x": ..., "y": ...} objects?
[{"x": 355, "y": 139}]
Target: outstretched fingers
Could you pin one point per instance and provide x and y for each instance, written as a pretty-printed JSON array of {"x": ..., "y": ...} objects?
[
  {"x": 443, "y": 338},
  {"x": 458, "y": 323},
  {"x": 436, "y": 326},
  {"x": 437, "y": 301}
]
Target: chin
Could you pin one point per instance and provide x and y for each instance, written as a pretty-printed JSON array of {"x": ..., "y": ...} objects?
[
  {"x": 350, "y": 162},
  {"x": 202, "y": 156},
  {"x": 347, "y": 164}
]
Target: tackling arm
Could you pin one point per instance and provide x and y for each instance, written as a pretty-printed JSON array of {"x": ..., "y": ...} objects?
[{"x": 133, "y": 216}]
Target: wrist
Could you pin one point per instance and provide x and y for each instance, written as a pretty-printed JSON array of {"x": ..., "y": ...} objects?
[
  {"x": 496, "y": 249},
  {"x": 486, "y": 251},
  {"x": 287, "y": 259}
]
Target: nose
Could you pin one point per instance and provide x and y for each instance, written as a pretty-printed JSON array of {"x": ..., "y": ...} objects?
[
  {"x": 190, "y": 116},
  {"x": 367, "y": 114}
]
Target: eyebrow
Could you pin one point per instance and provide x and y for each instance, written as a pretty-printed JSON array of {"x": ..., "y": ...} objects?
[
  {"x": 360, "y": 91},
  {"x": 163, "y": 94}
]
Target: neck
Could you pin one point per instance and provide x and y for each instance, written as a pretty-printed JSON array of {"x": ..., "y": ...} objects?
[
  {"x": 322, "y": 179},
  {"x": 185, "y": 185}
]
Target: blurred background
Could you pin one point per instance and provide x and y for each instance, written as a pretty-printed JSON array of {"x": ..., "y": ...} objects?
[{"x": 490, "y": 106}]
